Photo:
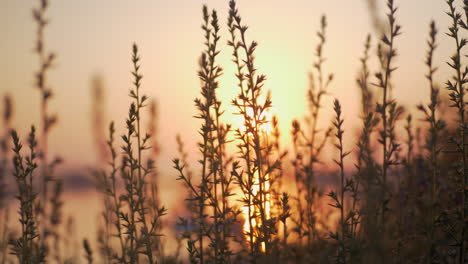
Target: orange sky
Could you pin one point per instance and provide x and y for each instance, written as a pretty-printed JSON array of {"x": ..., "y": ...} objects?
[{"x": 94, "y": 37}]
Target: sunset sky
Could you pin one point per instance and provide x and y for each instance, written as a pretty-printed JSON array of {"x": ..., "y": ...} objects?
[{"x": 94, "y": 37}]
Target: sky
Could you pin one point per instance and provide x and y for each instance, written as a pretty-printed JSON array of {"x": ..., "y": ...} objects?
[{"x": 94, "y": 38}]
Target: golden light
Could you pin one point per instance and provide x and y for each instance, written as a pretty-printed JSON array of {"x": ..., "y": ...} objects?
[
  {"x": 255, "y": 210},
  {"x": 265, "y": 127}
]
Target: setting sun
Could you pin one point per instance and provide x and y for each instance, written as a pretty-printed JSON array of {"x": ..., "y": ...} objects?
[
  {"x": 265, "y": 125},
  {"x": 253, "y": 209}
]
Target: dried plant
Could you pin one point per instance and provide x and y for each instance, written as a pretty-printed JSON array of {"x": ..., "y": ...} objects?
[
  {"x": 88, "y": 251},
  {"x": 283, "y": 217},
  {"x": 345, "y": 185},
  {"x": 27, "y": 247},
  {"x": 135, "y": 225},
  {"x": 103, "y": 156},
  {"x": 433, "y": 144},
  {"x": 215, "y": 215},
  {"x": 254, "y": 169},
  {"x": 309, "y": 143},
  {"x": 5, "y": 231},
  {"x": 49, "y": 207},
  {"x": 152, "y": 192},
  {"x": 457, "y": 89},
  {"x": 367, "y": 95},
  {"x": 387, "y": 109},
  {"x": 365, "y": 188},
  {"x": 98, "y": 117}
]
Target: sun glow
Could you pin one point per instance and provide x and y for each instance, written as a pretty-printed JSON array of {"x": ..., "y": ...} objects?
[
  {"x": 265, "y": 121},
  {"x": 252, "y": 214}
]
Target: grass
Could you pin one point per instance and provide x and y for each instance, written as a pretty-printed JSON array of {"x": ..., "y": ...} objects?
[
  {"x": 433, "y": 145},
  {"x": 457, "y": 92},
  {"x": 5, "y": 147},
  {"x": 396, "y": 200},
  {"x": 309, "y": 143}
]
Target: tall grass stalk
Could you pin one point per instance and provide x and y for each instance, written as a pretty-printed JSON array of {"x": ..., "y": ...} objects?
[
  {"x": 214, "y": 190},
  {"x": 364, "y": 223},
  {"x": 310, "y": 141},
  {"x": 433, "y": 145},
  {"x": 367, "y": 95},
  {"x": 253, "y": 147},
  {"x": 457, "y": 89},
  {"x": 365, "y": 164},
  {"x": 45, "y": 63},
  {"x": 136, "y": 227},
  {"x": 285, "y": 214},
  {"x": 383, "y": 108},
  {"x": 88, "y": 251},
  {"x": 7, "y": 115},
  {"x": 98, "y": 106},
  {"x": 115, "y": 204},
  {"x": 50, "y": 206},
  {"x": 27, "y": 247},
  {"x": 233, "y": 21},
  {"x": 153, "y": 191},
  {"x": 344, "y": 186}
]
